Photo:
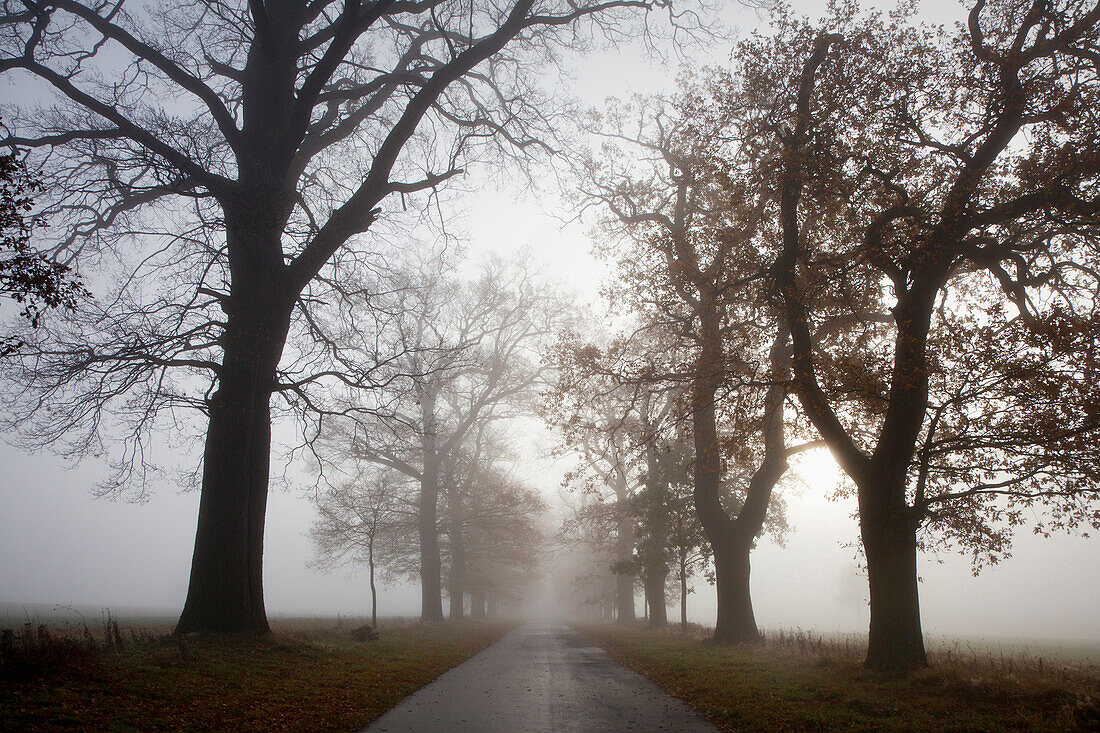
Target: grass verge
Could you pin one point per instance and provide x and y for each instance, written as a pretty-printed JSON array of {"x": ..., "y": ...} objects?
[
  {"x": 793, "y": 685},
  {"x": 307, "y": 676}
]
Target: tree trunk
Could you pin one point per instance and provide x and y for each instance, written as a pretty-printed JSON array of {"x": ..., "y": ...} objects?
[
  {"x": 624, "y": 582},
  {"x": 624, "y": 598},
  {"x": 683, "y": 594},
  {"x": 895, "y": 642},
  {"x": 431, "y": 567},
  {"x": 888, "y": 525},
  {"x": 456, "y": 585},
  {"x": 736, "y": 623},
  {"x": 225, "y": 592},
  {"x": 373, "y": 589},
  {"x": 477, "y": 604},
  {"x": 655, "y": 547},
  {"x": 455, "y": 598},
  {"x": 731, "y": 538},
  {"x": 708, "y": 471},
  {"x": 655, "y": 576}
]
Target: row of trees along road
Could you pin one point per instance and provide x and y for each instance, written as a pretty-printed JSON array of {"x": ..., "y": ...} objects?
[
  {"x": 491, "y": 523},
  {"x": 221, "y": 167},
  {"x": 466, "y": 359},
  {"x": 887, "y": 232},
  {"x": 867, "y": 233},
  {"x": 612, "y": 408},
  {"x": 686, "y": 246}
]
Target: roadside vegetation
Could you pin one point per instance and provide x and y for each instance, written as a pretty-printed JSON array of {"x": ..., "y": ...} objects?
[
  {"x": 309, "y": 674},
  {"x": 802, "y": 682}
]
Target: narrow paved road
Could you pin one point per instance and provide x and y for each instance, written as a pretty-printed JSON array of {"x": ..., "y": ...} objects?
[{"x": 541, "y": 678}]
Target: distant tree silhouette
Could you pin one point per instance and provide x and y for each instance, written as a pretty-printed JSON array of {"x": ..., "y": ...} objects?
[
  {"x": 669, "y": 503},
  {"x": 370, "y": 516},
  {"x": 497, "y": 522},
  {"x": 596, "y": 420},
  {"x": 369, "y": 519},
  {"x": 469, "y": 356},
  {"x": 686, "y": 226}
]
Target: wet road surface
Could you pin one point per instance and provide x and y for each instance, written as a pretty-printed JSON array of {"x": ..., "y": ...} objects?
[{"x": 541, "y": 677}]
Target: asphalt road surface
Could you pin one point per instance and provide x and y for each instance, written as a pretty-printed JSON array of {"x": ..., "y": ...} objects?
[{"x": 541, "y": 677}]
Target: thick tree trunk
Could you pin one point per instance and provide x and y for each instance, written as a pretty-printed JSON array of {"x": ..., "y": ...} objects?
[
  {"x": 731, "y": 538},
  {"x": 455, "y": 600},
  {"x": 431, "y": 567},
  {"x": 655, "y": 576},
  {"x": 225, "y": 592},
  {"x": 895, "y": 642},
  {"x": 708, "y": 459},
  {"x": 708, "y": 476},
  {"x": 477, "y": 604},
  {"x": 624, "y": 598},
  {"x": 655, "y": 548},
  {"x": 456, "y": 592},
  {"x": 456, "y": 585},
  {"x": 736, "y": 623},
  {"x": 888, "y": 525}
]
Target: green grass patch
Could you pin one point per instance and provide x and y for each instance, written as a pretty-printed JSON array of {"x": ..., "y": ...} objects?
[
  {"x": 307, "y": 676},
  {"x": 795, "y": 686}
]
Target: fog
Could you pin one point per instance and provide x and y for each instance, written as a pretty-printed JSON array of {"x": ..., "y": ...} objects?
[{"x": 60, "y": 546}]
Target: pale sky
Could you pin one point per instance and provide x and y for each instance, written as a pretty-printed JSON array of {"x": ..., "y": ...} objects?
[{"x": 59, "y": 545}]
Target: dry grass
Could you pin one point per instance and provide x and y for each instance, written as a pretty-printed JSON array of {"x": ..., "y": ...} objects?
[
  {"x": 800, "y": 681},
  {"x": 309, "y": 675}
]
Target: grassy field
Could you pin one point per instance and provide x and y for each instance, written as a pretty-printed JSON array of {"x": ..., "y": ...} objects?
[
  {"x": 309, "y": 675},
  {"x": 798, "y": 682}
]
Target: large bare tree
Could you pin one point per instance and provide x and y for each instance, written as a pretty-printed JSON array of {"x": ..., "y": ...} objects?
[{"x": 246, "y": 147}]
